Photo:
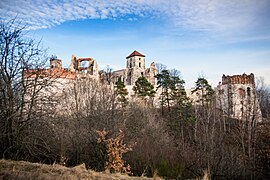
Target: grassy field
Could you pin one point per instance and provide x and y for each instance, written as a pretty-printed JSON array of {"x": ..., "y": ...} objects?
[{"x": 21, "y": 170}]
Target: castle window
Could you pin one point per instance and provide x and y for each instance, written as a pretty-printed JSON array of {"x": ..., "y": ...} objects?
[
  {"x": 241, "y": 93},
  {"x": 221, "y": 91},
  {"x": 139, "y": 58},
  {"x": 139, "y": 64},
  {"x": 248, "y": 91},
  {"x": 142, "y": 73},
  {"x": 129, "y": 78},
  {"x": 130, "y": 65}
]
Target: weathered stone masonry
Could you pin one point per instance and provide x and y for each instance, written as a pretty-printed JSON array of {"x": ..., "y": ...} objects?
[
  {"x": 236, "y": 95},
  {"x": 237, "y": 98}
]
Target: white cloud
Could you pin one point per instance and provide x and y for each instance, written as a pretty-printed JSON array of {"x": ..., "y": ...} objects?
[{"x": 205, "y": 15}]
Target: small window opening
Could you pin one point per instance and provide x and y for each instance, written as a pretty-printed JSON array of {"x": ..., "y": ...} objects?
[
  {"x": 142, "y": 73},
  {"x": 248, "y": 91},
  {"x": 139, "y": 64}
]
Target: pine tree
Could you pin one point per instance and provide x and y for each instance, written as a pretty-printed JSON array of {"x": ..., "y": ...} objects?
[
  {"x": 121, "y": 92},
  {"x": 204, "y": 89},
  {"x": 180, "y": 111},
  {"x": 143, "y": 88},
  {"x": 171, "y": 84}
]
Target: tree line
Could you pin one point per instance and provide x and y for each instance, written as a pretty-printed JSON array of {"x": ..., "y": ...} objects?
[{"x": 177, "y": 140}]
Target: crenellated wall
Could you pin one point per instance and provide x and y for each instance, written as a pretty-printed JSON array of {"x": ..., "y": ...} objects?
[
  {"x": 237, "y": 97},
  {"x": 238, "y": 79}
]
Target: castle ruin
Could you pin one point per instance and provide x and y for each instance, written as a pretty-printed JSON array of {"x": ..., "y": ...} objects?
[
  {"x": 235, "y": 95},
  {"x": 237, "y": 98},
  {"x": 135, "y": 68}
]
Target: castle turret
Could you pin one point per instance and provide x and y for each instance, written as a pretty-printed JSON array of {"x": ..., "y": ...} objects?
[
  {"x": 73, "y": 63},
  {"x": 135, "y": 67},
  {"x": 56, "y": 63}
]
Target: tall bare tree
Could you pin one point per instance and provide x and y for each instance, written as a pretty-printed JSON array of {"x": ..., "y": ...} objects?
[
  {"x": 18, "y": 54},
  {"x": 263, "y": 94}
]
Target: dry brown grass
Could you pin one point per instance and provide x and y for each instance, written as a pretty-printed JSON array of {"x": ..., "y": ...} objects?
[{"x": 21, "y": 170}]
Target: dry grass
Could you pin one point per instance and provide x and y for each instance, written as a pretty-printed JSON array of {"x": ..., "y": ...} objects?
[{"x": 21, "y": 170}]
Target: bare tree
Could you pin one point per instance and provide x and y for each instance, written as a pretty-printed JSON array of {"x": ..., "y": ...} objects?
[
  {"x": 263, "y": 94},
  {"x": 160, "y": 67},
  {"x": 18, "y": 95}
]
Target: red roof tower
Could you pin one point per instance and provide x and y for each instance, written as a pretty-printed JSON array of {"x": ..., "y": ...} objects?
[{"x": 135, "y": 53}]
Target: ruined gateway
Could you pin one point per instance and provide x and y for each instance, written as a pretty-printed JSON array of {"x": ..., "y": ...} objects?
[{"x": 235, "y": 95}]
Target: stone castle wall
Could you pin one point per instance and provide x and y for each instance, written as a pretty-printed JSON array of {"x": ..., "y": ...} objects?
[{"x": 235, "y": 95}]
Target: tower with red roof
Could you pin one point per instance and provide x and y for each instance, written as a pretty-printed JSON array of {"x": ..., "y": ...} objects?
[{"x": 135, "y": 67}]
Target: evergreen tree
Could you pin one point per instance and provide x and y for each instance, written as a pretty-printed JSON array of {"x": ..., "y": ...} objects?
[
  {"x": 204, "y": 90},
  {"x": 121, "y": 92},
  {"x": 171, "y": 83},
  {"x": 143, "y": 88},
  {"x": 173, "y": 95}
]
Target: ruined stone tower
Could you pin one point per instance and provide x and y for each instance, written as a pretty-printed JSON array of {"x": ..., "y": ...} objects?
[
  {"x": 150, "y": 74},
  {"x": 135, "y": 67},
  {"x": 56, "y": 63},
  {"x": 84, "y": 66},
  {"x": 236, "y": 97}
]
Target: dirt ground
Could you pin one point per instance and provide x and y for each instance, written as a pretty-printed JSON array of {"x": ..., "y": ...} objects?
[{"x": 22, "y": 170}]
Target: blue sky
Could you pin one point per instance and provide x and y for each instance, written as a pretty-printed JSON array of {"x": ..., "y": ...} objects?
[{"x": 197, "y": 37}]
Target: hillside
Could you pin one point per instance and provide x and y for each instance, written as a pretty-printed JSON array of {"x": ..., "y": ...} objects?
[{"x": 21, "y": 170}]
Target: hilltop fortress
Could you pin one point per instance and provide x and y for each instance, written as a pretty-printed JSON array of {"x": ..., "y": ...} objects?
[
  {"x": 82, "y": 67},
  {"x": 235, "y": 95}
]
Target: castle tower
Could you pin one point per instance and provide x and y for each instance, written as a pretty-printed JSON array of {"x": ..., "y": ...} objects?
[
  {"x": 73, "y": 63},
  {"x": 236, "y": 97},
  {"x": 151, "y": 73},
  {"x": 56, "y": 63},
  {"x": 135, "y": 67},
  {"x": 84, "y": 66}
]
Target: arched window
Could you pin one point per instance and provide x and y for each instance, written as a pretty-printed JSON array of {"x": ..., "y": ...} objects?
[
  {"x": 142, "y": 74},
  {"x": 139, "y": 64}
]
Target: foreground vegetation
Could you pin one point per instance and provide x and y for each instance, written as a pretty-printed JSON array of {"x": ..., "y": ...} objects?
[
  {"x": 24, "y": 170},
  {"x": 82, "y": 123}
]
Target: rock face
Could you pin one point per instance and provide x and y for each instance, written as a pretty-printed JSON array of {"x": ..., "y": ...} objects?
[{"x": 236, "y": 97}]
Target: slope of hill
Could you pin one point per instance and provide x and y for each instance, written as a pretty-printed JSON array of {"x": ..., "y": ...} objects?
[{"x": 25, "y": 170}]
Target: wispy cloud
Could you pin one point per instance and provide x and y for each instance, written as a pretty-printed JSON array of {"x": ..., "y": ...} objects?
[{"x": 202, "y": 15}]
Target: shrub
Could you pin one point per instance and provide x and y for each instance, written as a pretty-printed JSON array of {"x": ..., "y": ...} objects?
[{"x": 115, "y": 150}]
